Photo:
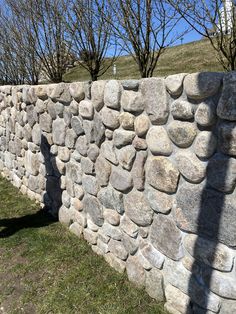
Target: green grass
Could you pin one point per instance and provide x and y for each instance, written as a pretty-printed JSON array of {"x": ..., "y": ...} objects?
[
  {"x": 46, "y": 269},
  {"x": 197, "y": 56}
]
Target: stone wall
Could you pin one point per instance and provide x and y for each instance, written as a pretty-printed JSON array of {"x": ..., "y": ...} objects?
[{"x": 144, "y": 170}]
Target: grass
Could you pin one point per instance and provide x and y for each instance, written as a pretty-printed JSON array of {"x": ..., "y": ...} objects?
[
  {"x": 196, "y": 56},
  {"x": 46, "y": 269}
]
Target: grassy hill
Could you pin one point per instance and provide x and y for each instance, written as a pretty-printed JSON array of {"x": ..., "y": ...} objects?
[{"x": 191, "y": 57}]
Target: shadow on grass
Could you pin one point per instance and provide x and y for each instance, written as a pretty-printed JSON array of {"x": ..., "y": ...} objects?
[{"x": 37, "y": 220}]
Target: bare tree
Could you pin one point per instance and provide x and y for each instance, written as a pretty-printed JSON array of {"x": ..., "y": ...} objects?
[
  {"x": 216, "y": 21},
  {"x": 92, "y": 37},
  {"x": 145, "y": 28}
]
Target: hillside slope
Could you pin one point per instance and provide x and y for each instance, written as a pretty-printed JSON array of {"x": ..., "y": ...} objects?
[{"x": 191, "y": 57}]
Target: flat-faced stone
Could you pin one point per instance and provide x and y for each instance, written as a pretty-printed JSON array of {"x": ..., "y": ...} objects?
[
  {"x": 87, "y": 165},
  {"x": 110, "y": 118},
  {"x": 130, "y": 84},
  {"x": 174, "y": 83},
  {"x": 86, "y": 109},
  {"x": 36, "y": 134},
  {"x": 32, "y": 163},
  {"x": 90, "y": 184},
  {"x": 121, "y": 179},
  {"x": 59, "y": 131},
  {"x": 213, "y": 254},
  {"x": 154, "y": 284},
  {"x": 162, "y": 174},
  {"x": 138, "y": 171},
  {"x": 111, "y": 231},
  {"x": 126, "y": 120},
  {"x": 74, "y": 107},
  {"x": 110, "y": 198},
  {"x": 228, "y": 306},
  {"x": 74, "y": 172},
  {"x": 97, "y": 94},
  {"x": 94, "y": 209},
  {"x": 98, "y": 129},
  {"x": 205, "y": 144},
  {"x": 102, "y": 170},
  {"x": 206, "y": 113},
  {"x": 131, "y": 244},
  {"x": 227, "y": 138},
  {"x": 132, "y": 101},
  {"x": 207, "y": 212},
  {"x": 226, "y": 108},
  {"x": 108, "y": 152},
  {"x": 45, "y": 122},
  {"x": 123, "y": 137},
  {"x": 128, "y": 226},
  {"x": 158, "y": 141},
  {"x": 139, "y": 143},
  {"x": 182, "y": 110},
  {"x": 221, "y": 173},
  {"x": 70, "y": 138},
  {"x": 77, "y": 90},
  {"x": 59, "y": 92},
  {"x": 155, "y": 258},
  {"x": 81, "y": 145},
  {"x": 155, "y": 99},
  {"x": 170, "y": 245},
  {"x": 202, "y": 85},
  {"x": 115, "y": 262},
  {"x": 63, "y": 153},
  {"x": 112, "y": 94},
  {"x": 182, "y": 133},
  {"x": 160, "y": 202},
  {"x": 118, "y": 249},
  {"x": 190, "y": 166},
  {"x": 111, "y": 216},
  {"x": 141, "y": 125},
  {"x": 135, "y": 271},
  {"x": 126, "y": 156},
  {"x": 90, "y": 236},
  {"x": 77, "y": 125},
  {"x": 177, "y": 302},
  {"x": 93, "y": 152},
  {"x": 137, "y": 208}
]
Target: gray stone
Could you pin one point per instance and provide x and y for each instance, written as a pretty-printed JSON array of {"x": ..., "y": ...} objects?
[
  {"x": 31, "y": 115},
  {"x": 51, "y": 109},
  {"x": 132, "y": 101},
  {"x": 109, "y": 134},
  {"x": 77, "y": 125},
  {"x": 115, "y": 262},
  {"x": 138, "y": 172},
  {"x": 177, "y": 302},
  {"x": 90, "y": 225},
  {"x": 213, "y": 254},
  {"x": 102, "y": 246},
  {"x": 77, "y": 91},
  {"x": 93, "y": 152},
  {"x": 137, "y": 208},
  {"x": 65, "y": 216},
  {"x": 108, "y": 152},
  {"x": 207, "y": 212},
  {"x": 182, "y": 110},
  {"x": 87, "y": 165},
  {"x": 102, "y": 170},
  {"x": 86, "y": 109},
  {"x": 59, "y": 107},
  {"x": 59, "y": 92},
  {"x": 206, "y": 113},
  {"x": 76, "y": 202},
  {"x": 205, "y": 144},
  {"x": 74, "y": 172},
  {"x": 130, "y": 244},
  {"x": 190, "y": 166},
  {"x": 221, "y": 173},
  {"x": 90, "y": 184},
  {"x": 130, "y": 84},
  {"x": 158, "y": 141},
  {"x": 28, "y": 95},
  {"x": 99, "y": 129},
  {"x": 139, "y": 143},
  {"x": 67, "y": 115},
  {"x": 110, "y": 118},
  {"x": 182, "y": 133},
  {"x": 170, "y": 246},
  {"x": 202, "y": 85},
  {"x": 32, "y": 163},
  {"x": 112, "y": 94},
  {"x": 36, "y": 183},
  {"x": 228, "y": 306},
  {"x": 118, "y": 249},
  {"x": 227, "y": 138},
  {"x": 90, "y": 236},
  {"x": 81, "y": 145},
  {"x": 126, "y": 120},
  {"x": 141, "y": 125},
  {"x": 41, "y": 91},
  {"x": 128, "y": 226},
  {"x": 174, "y": 83},
  {"x": 76, "y": 229},
  {"x": 88, "y": 127},
  {"x": 63, "y": 153},
  {"x": 123, "y": 137},
  {"x": 143, "y": 261},
  {"x": 66, "y": 199},
  {"x": 121, "y": 179},
  {"x": 74, "y": 107},
  {"x": 70, "y": 138},
  {"x": 154, "y": 284},
  {"x": 110, "y": 198},
  {"x": 97, "y": 94},
  {"x": 135, "y": 271},
  {"x": 45, "y": 122},
  {"x": 226, "y": 107},
  {"x": 155, "y": 258},
  {"x": 162, "y": 174},
  {"x": 160, "y": 202},
  {"x": 111, "y": 216},
  {"x": 155, "y": 99},
  {"x": 126, "y": 157},
  {"x": 36, "y": 134},
  {"x": 59, "y": 131},
  {"x": 111, "y": 231},
  {"x": 94, "y": 209}
]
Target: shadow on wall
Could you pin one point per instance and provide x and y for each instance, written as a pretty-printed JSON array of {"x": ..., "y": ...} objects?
[{"x": 209, "y": 215}]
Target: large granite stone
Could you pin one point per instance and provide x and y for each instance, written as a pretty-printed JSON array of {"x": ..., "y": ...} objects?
[
  {"x": 82, "y": 145},
  {"x": 221, "y": 173},
  {"x": 160, "y": 202},
  {"x": 59, "y": 131},
  {"x": 158, "y": 141},
  {"x": 110, "y": 118},
  {"x": 98, "y": 129},
  {"x": 127, "y": 225},
  {"x": 205, "y": 144},
  {"x": 137, "y": 208},
  {"x": 32, "y": 163},
  {"x": 226, "y": 108},
  {"x": 111, "y": 216},
  {"x": 102, "y": 170},
  {"x": 206, "y": 113},
  {"x": 59, "y": 92},
  {"x": 141, "y": 125},
  {"x": 155, "y": 99},
  {"x": 86, "y": 109},
  {"x": 123, "y": 137},
  {"x": 126, "y": 120},
  {"x": 110, "y": 198},
  {"x": 170, "y": 245},
  {"x": 135, "y": 271},
  {"x": 70, "y": 138},
  {"x": 121, "y": 179},
  {"x": 90, "y": 184},
  {"x": 118, "y": 249},
  {"x": 132, "y": 101},
  {"x": 97, "y": 94},
  {"x": 155, "y": 258},
  {"x": 138, "y": 171},
  {"x": 207, "y": 212},
  {"x": 227, "y": 138},
  {"x": 162, "y": 174},
  {"x": 74, "y": 172},
  {"x": 182, "y": 133},
  {"x": 77, "y": 125},
  {"x": 45, "y": 122},
  {"x": 108, "y": 152},
  {"x": 77, "y": 90},
  {"x": 202, "y": 85},
  {"x": 174, "y": 83},
  {"x": 154, "y": 284},
  {"x": 112, "y": 94},
  {"x": 213, "y": 254},
  {"x": 94, "y": 209},
  {"x": 177, "y": 302},
  {"x": 182, "y": 110},
  {"x": 115, "y": 262},
  {"x": 126, "y": 156}
]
